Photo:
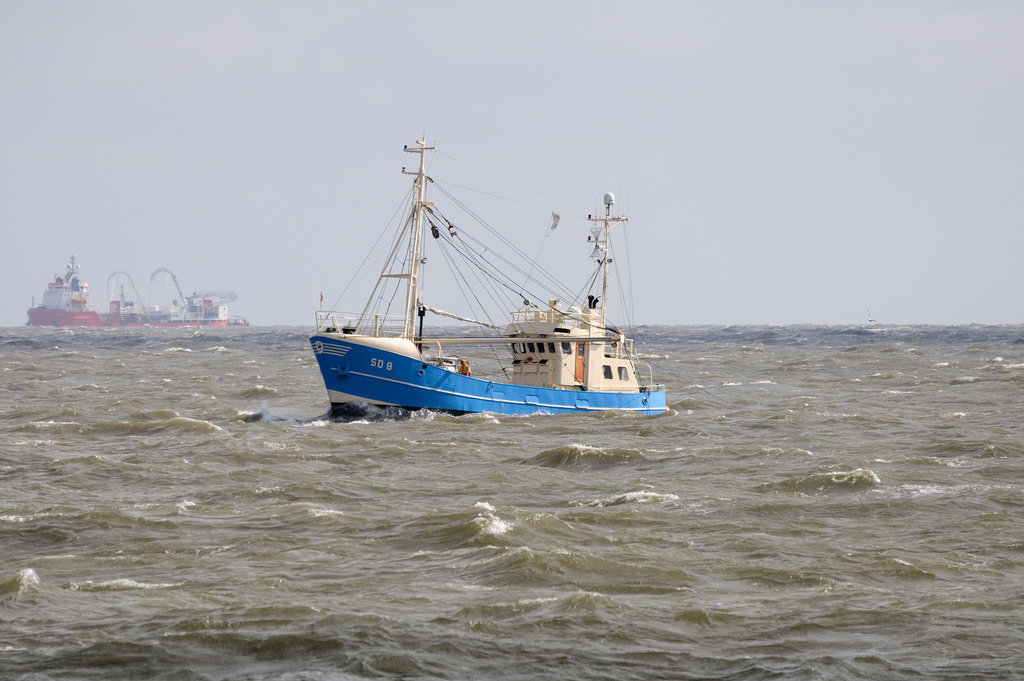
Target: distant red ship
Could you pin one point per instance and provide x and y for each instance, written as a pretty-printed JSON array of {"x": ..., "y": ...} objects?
[{"x": 66, "y": 303}]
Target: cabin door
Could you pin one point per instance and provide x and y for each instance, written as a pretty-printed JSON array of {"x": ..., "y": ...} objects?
[{"x": 581, "y": 349}]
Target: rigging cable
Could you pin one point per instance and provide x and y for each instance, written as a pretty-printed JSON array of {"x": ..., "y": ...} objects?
[
  {"x": 690, "y": 383},
  {"x": 460, "y": 278},
  {"x": 376, "y": 243},
  {"x": 553, "y": 282},
  {"x": 484, "y": 171}
]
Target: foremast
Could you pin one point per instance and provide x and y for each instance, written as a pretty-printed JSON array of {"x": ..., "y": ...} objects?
[
  {"x": 412, "y": 293},
  {"x": 414, "y": 229}
]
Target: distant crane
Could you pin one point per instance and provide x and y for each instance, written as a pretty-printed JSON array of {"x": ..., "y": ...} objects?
[
  {"x": 110, "y": 288},
  {"x": 181, "y": 296}
]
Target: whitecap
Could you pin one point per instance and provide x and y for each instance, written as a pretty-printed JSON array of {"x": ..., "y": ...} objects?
[
  {"x": 324, "y": 512},
  {"x": 638, "y": 497},
  {"x": 932, "y": 490},
  {"x": 489, "y": 522},
  {"x": 493, "y": 525},
  {"x": 120, "y": 585},
  {"x": 203, "y": 425},
  {"x": 855, "y": 475},
  {"x": 27, "y": 579},
  {"x": 779, "y": 451}
]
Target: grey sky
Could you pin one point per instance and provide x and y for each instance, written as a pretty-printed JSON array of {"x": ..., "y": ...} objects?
[{"x": 780, "y": 162}]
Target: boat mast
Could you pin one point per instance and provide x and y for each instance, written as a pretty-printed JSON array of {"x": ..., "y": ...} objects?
[
  {"x": 413, "y": 285},
  {"x": 603, "y": 235}
]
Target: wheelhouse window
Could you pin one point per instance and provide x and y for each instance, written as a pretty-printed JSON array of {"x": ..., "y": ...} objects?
[
  {"x": 567, "y": 348},
  {"x": 607, "y": 371},
  {"x": 623, "y": 374},
  {"x": 530, "y": 345}
]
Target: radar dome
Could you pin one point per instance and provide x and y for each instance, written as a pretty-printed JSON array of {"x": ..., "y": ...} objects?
[{"x": 609, "y": 199}]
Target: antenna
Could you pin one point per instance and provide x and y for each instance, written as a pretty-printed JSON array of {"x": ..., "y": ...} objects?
[{"x": 601, "y": 236}]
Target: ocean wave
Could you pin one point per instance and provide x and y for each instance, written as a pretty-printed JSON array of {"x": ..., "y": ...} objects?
[
  {"x": 183, "y": 424},
  {"x": 580, "y": 457},
  {"x": 687, "y": 404},
  {"x": 258, "y": 390},
  {"x": 786, "y": 451},
  {"x": 638, "y": 497},
  {"x": 966, "y": 446},
  {"x": 480, "y": 526},
  {"x": 26, "y": 580},
  {"x": 154, "y": 414},
  {"x": 318, "y": 512},
  {"x": 902, "y": 569},
  {"x": 87, "y": 387},
  {"x": 121, "y": 585},
  {"x": 577, "y": 608},
  {"x": 48, "y": 427},
  {"x": 489, "y": 522},
  {"x": 829, "y": 482}
]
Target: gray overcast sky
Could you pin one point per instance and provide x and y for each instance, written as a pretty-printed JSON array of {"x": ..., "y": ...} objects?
[{"x": 780, "y": 162}]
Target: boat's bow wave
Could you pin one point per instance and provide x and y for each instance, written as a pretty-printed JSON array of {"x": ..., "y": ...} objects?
[
  {"x": 341, "y": 413},
  {"x": 361, "y": 411}
]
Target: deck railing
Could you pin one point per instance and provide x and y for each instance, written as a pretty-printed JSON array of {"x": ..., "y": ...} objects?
[
  {"x": 649, "y": 385},
  {"x": 334, "y": 321}
]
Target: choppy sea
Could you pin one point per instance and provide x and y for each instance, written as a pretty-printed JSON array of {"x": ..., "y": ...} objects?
[{"x": 819, "y": 503}]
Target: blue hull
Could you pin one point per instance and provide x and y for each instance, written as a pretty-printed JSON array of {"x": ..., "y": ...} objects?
[{"x": 355, "y": 373}]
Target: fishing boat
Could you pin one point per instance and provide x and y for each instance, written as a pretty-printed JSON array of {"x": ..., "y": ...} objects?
[{"x": 556, "y": 359}]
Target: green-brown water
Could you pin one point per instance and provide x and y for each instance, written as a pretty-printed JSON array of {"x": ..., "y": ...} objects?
[{"x": 820, "y": 503}]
